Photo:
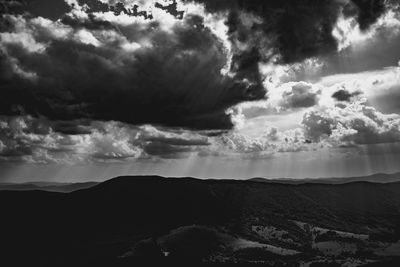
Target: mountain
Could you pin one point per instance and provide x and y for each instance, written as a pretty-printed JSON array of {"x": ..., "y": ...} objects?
[
  {"x": 46, "y": 186},
  {"x": 156, "y": 221},
  {"x": 374, "y": 178},
  {"x": 70, "y": 187}
]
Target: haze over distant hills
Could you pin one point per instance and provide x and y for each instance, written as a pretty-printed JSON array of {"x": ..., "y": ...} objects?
[
  {"x": 46, "y": 186},
  {"x": 374, "y": 178},
  {"x": 156, "y": 221},
  {"x": 70, "y": 187}
]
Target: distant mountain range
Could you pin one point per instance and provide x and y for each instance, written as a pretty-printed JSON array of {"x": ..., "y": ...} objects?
[
  {"x": 70, "y": 187},
  {"x": 47, "y": 186},
  {"x": 374, "y": 178},
  {"x": 156, "y": 221}
]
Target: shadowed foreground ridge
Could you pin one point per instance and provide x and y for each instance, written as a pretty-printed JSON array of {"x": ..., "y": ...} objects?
[{"x": 154, "y": 220}]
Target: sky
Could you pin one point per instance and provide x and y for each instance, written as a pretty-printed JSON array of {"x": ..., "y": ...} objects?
[{"x": 93, "y": 89}]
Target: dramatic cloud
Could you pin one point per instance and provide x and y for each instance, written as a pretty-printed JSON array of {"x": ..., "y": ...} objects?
[
  {"x": 301, "y": 96},
  {"x": 301, "y": 29},
  {"x": 24, "y": 138},
  {"x": 119, "y": 80},
  {"x": 357, "y": 50},
  {"x": 287, "y": 98},
  {"x": 380, "y": 87},
  {"x": 136, "y": 73},
  {"x": 332, "y": 113},
  {"x": 117, "y": 60},
  {"x": 265, "y": 145},
  {"x": 343, "y": 95},
  {"x": 355, "y": 123},
  {"x": 28, "y": 139}
]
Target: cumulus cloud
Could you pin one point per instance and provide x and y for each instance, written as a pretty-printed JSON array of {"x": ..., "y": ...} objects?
[
  {"x": 265, "y": 145},
  {"x": 355, "y": 123},
  {"x": 332, "y": 113},
  {"x": 300, "y": 96},
  {"x": 286, "y": 98},
  {"x": 28, "y": 139}
]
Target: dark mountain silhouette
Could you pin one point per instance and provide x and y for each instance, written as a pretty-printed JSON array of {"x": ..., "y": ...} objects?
[
  {"x": 47, "y": 186},
  {"x": 153, "y": 220},
  {"x": 70, "y": 187},
  {"x": 375, "y": 178}
]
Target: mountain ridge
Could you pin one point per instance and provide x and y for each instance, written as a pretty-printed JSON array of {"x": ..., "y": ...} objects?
[
  {"x": 126, "y": 220},
  {"x": 66, "y": 187}
]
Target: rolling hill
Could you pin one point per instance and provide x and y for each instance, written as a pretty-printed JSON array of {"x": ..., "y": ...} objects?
[{"x": 156, "y": 220}]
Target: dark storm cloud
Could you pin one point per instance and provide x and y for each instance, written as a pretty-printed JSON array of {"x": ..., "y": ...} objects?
[
  {"x": 175, "y": 81},
  {"x": 119, "y": 8},
  {"x": 174, "y": 141},
  {"x": 368, "y": 11},
  {"x": 302, "y": 28},
  {"x": 344, "y": 95},
  {"x": 52, "y": 9},
  {"x": 165, "y": 150},
  {"x": 91, "y": 23},
  {"x": 375, "y": 53},
  {"x": 286, "y": 31},
  {"x": 77, "y": 127},
  {"x": 171, "y": 9},
  {"x": 172, "y": 146}
]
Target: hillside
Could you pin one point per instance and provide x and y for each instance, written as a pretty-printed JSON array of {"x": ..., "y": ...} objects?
[
  {"x": 45, "y": 186},
  {"x": 209, "y": 222}
]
